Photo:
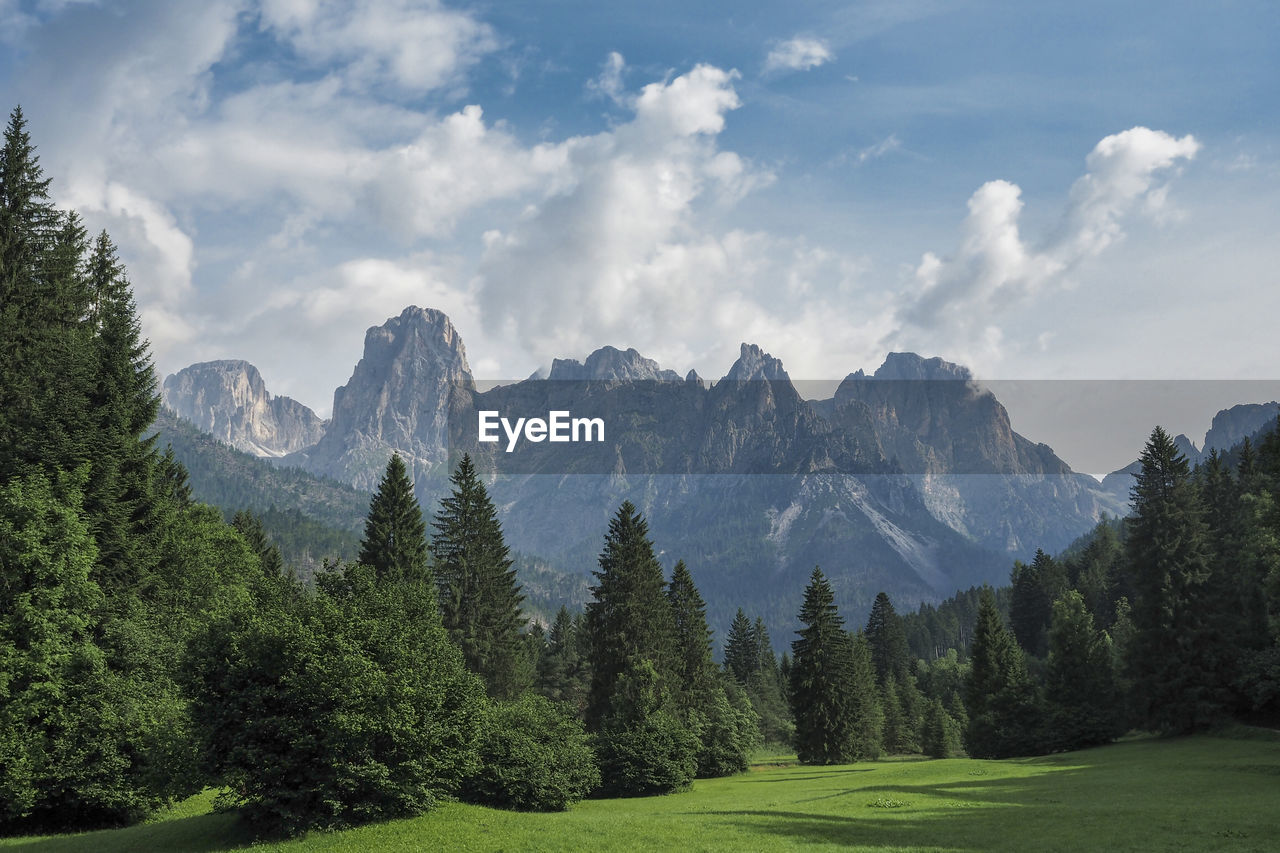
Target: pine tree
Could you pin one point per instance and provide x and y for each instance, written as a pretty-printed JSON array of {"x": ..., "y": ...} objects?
[
  {"x": 740, "y": 650},
  {"x": 1174, "y": 650},
  {"x": 1031, "y": 601},
  {"x": 1081, "y": 691},
  {"x": 394, "y": 543},
  {"x": 561, "y": 674},
  {"x": 125, "y": 402},
  {"x": 692, "y": 637},
  {"x": 480, "y": 599},
  {"x": 44, "y": 349},
  {"x": 833, "y": 707},
  {"x": 1004, "y": 712},
  {"x": 888, "y": 641},
  {"x": 629, "y": 619}
]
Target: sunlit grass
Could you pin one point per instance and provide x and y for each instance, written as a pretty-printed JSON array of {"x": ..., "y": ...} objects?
[{"x": 1202, "y": 793}]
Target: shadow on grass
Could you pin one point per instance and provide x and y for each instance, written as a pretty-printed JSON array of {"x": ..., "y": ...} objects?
[
  {"x": 820, "y": 774},
  {"x": 208, "y": 833},
  {"x": 1064, "y": 807}
]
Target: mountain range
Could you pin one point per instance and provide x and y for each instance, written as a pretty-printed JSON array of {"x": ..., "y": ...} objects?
[{"x": 908, "y": 480}]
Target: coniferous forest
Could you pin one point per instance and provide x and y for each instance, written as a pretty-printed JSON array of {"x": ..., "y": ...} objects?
[{"x": 151, "y": 649}]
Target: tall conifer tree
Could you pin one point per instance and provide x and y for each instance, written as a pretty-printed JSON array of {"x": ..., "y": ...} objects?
[
  {"x": 1003, "y": 708},
  {"x": 629, "y": 619},
  {"x": 479, "y": 597},
  {"x": 394, "y": 543},
  {"x": 1174, "y": 650}
]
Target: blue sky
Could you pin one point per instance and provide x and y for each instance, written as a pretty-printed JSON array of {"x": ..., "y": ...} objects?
[{"x": 1039, "y": 190}]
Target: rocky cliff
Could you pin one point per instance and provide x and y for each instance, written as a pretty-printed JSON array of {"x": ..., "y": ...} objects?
[
  {"x": 229, "y": 400},
  {"x": 397, "y": 400}
]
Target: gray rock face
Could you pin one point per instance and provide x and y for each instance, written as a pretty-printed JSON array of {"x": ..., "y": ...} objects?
[
  {"x": 610, "y": 363},
  {"x": 397, "y": 400},
  {"x": 229, "y": 400},
  {"x": 1232, "y": 426},
  {"x": 1229, "y": 428},
  {"x": 974, "y": 472}
]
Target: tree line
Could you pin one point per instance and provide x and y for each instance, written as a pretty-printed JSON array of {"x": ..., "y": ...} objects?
[{"x": 149, "y": 649}]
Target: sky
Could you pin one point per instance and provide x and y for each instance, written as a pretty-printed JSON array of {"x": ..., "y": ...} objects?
[{"x": 1076, "y": 190}]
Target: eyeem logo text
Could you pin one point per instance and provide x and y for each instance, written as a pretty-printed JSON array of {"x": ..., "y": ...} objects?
[{"x": 556, "y": 427}]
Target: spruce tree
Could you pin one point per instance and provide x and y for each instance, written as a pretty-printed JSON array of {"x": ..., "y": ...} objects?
[
  {"x": 888, "y": 641},
  {"x": 1174, "y": 649},
  {"x": 741, "y": 652},
  {"x": 1003, "y": 708},
  {"x": 692, "y": 637},
  {"x": 479, "y": 597},
  {"x": 1083, "y": 701},
  {"x": 629, "y": 619},
  {"x": 833, "y": 703},
  {"x": 1031, "y": 601},
  {"x": 394, "y": 543}
]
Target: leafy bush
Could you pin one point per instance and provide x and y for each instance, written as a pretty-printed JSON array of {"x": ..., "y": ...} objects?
[
  {"x": 728, "y": 730},
  {"x": 534, "y": 756},
  {"x": 643, "y": 747},
  {"x": 346, "y": 707}
]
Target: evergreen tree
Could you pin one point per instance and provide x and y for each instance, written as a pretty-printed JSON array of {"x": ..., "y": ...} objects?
[
  {"x": 480, "y": 599},
  {"x": 741, "y": 650},
  {"x": 1174, "y": 650},
  {"x": 394, "y": 543},
  {"x": 888, "y": 642},
  {"x": 1031, "y": 601},
  {"x": 833, "y": 708},
  {"x": 1083, "y": 701},
  {"x": 560, "y": 675},
  {"x": 250, "y": 527},
  {"x": 692, "y": 637},
  {"x": 629, "y": 619},
  {"x": 1003, "y": 709},
  {"x": 726, "y": 734}
]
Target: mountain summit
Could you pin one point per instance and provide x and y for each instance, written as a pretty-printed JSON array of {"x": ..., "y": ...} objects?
[
  {"x": 229, "y": 400},
  {"x": 397, "y": 400}
]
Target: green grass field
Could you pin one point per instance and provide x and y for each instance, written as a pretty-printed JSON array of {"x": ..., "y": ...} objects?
[{"x": 1200, "y": 793}]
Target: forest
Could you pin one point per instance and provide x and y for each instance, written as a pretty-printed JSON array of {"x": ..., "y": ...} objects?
[{"x": 150, "y": 649}]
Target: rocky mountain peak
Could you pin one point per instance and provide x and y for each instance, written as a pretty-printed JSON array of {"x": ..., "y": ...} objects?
[
  {"x": 908, "y": 365},
  {"x": 229, "y": 400},
  {"x": 754, "y": 364},
  {"x": 397, "y": 399},
  {"x": 611, "y": 363}
]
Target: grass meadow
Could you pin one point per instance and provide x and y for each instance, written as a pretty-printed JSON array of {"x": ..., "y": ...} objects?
[{"x": 1198, "y": 793}]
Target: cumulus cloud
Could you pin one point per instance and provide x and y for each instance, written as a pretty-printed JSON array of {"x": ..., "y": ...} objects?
[
  {"x": 417, "y": 45},
  {"x": 958, "y": 300},
  {"x": 798, "y": 54}
]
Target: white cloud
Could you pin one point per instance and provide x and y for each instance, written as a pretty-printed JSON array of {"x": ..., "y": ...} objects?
[
  {"x": 609, "y": 83},
  {"x": 798, "y": 54},
  {"x": 959, "y": 300},
  {"x": 416, "y": 45},
  {"x": 885, "y": 146}
]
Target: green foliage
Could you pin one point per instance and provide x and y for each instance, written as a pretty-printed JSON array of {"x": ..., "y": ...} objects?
[
  {"x": 629, "y": 620},
  {"x": 1174, "y": 651},
  {"x": 562, "y": 674},
  {"x": 941, "y": 733},
  {"x": 533, "y": 756},
  {"x": 1035, "y": 588},
  {"x": 727, "y": 732},
  {"x": 1004, "y": 710},
  {"x": 833, "y": 692},
  {"x": 350, "y": 706},
  {"x": 395, "y": 544},
  {"x": 66, "y": 720},
  {"x": 480, "y": 599},
  {"x": 1084, "y": 703},
  {"x": 642, "y": 745}
]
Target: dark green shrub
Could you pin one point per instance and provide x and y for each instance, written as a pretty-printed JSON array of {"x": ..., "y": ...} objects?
[
  {"x": 728, "y": 729},
  {"x": 643, "y": 747},
  {"x": 534, "y": 756},
  {"x": 348, "y": 707}
]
